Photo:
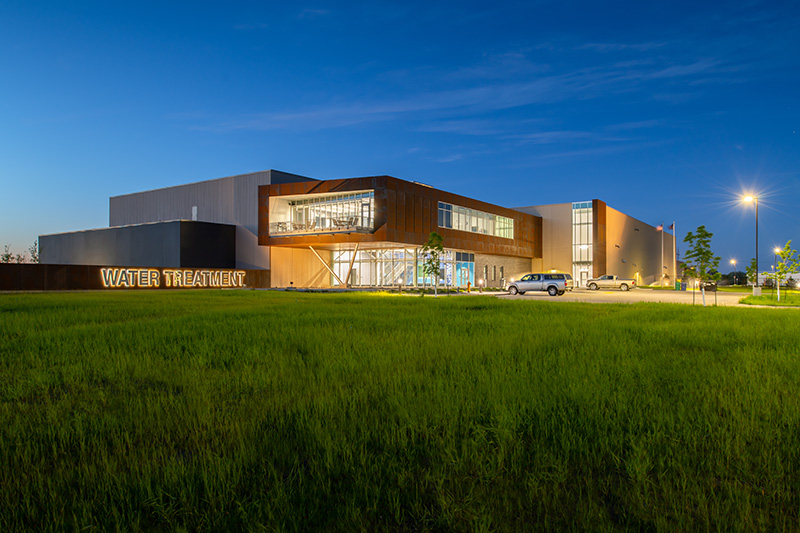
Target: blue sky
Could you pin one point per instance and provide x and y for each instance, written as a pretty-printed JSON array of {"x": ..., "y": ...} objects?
[{"x": 665, "y": 111}]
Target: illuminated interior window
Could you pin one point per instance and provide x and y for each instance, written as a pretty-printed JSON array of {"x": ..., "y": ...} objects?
[
  {"x": 346, "y": 212},
  {"x": 582, "y": 244},
  {"x": 390, "y": 267},
  {"x": 474, "y": 221}
]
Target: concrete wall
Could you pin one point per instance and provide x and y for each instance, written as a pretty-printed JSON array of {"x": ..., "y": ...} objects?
[
  {"x": 635, "y": 247},
  {"x": 231, "y": 200},
  {"x": 299, "y": 266},
  {"x": 556, "y": 236}
]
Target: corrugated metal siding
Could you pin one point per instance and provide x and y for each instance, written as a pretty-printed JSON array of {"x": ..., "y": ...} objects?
[{"x": 231, "y": 200}]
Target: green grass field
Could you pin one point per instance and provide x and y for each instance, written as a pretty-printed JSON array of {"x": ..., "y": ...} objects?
[
  {"x": 249, "y": 410},
  {"x": 788, "y": 298}
]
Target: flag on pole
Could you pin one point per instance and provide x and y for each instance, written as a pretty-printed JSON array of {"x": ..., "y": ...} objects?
[
  {"x": 660, "y": 227},
  {"x": 671, "y": 226}
]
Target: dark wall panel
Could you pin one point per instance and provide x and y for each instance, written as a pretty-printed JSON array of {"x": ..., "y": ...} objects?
[{"x": 205, "y": 245}]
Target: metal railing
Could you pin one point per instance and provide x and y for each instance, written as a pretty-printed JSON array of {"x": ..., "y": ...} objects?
[{"x": 330, "y": 225}]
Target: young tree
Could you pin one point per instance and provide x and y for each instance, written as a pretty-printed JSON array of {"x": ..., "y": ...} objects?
[
  {"x": 6, "y": 256},
  {"x": 433, "y": 250},
  {"x": 19, "y": 258},
  {"x": 34, "y": 251},
  {"x": 788, "y": 265},
  {"x": 752, "y": 272},
  {"x": 701, "y": 263}
]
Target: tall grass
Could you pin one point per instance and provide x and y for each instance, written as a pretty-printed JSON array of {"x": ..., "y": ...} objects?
[{"x": 249, "y": 410}]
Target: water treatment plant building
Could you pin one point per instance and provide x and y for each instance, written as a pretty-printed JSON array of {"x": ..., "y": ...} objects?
[{"x": 361, "y": 232}]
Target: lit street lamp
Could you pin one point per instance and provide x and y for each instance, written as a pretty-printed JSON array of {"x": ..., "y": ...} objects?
[
  {"x": 733, "y": 262},
  {"x": 749, "y": 198}
]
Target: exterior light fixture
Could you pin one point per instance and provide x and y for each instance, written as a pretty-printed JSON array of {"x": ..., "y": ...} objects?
[
  {"x": 733, "y": 262},
  {"x": 754, "y": 199}
]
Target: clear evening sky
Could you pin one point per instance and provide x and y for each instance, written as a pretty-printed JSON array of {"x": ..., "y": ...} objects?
[{"x": 665, "y": 110}]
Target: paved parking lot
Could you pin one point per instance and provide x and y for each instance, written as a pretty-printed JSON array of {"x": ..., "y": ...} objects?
[{"x": 636, "y": 295}]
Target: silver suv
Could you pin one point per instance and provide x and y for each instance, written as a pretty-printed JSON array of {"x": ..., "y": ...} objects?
[{"x": 555, "y": 284}]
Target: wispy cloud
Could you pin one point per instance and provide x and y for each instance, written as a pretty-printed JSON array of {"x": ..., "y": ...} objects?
[
  {"x": 312, "y": 13},
  {"x": 450, "y": 158},
  {"x": 551, "y": 156},
  {"x": 552, "y": 137},
  {"x": 497, "y": 83},
  {"x": 619, "y": 47},
  {"x": 637, "y": 125}
]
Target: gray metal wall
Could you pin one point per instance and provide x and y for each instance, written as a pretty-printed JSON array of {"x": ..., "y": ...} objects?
[
  {"x": 231, "y": 200},
  {"x": 145, "y": 245}
]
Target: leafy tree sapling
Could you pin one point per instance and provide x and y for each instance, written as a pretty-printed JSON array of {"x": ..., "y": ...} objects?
[
  {"x": 33, "y": 251},
  {"x": 700, "y": 261},
  {"x": 433, "y": 250},
  {"x": 752, "y": 272},
  {"x": 788, "y": 265}
]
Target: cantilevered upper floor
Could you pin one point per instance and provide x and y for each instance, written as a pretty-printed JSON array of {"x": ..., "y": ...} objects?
[{"x": 387, "y": 210}]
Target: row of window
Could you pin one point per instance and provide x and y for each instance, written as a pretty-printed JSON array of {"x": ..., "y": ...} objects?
[
  {"x": 474, "y": 221},
  {"x": 494, "y": 272},
  {"x": 317, "y": 200}
]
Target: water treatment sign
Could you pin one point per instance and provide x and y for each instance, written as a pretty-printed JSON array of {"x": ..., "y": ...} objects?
[{"x": 136, "y": 278}]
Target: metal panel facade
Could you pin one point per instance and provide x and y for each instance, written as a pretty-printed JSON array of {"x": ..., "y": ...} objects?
[
  {"x": 231, "y": 200},
  {"x": 401, "y": 216}
]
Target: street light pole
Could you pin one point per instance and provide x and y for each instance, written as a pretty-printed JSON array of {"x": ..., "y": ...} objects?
[
  {"x": 733, "y": 262},
  {"x": 749, "y": 198},
  {"x": 775, "y": 267}
]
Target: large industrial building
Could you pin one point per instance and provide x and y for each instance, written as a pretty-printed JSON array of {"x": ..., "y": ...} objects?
[{"x": 360, "y": 232}]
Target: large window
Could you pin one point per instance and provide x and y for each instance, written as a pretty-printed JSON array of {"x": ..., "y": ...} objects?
[
  {"x": 474, "y": 221},
  {"x": 386, "y": 267},
  {"x": 582, "y": 245},
  {"x": 351, "y": 211}
]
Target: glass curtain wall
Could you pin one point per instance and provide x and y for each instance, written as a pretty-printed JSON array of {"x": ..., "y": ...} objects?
[
  {"x": 318, "y": 214},
  {"x": 386, "y": 267},
  {"x": 582, "y": 247},
  {"x": 474, "y": 221}
]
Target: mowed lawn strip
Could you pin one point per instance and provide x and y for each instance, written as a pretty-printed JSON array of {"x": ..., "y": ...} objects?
[{"x": 229, "y": 410}]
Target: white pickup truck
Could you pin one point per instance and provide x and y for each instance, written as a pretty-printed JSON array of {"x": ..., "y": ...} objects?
[{"x": 611, "y": 282}]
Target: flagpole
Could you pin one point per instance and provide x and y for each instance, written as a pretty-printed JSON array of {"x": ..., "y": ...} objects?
[
  {"x": 661, "y": 266},
  {"x": 674, "y": 255}
]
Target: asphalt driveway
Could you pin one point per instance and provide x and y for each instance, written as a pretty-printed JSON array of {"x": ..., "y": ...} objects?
[{"x": 637, "y": 295}]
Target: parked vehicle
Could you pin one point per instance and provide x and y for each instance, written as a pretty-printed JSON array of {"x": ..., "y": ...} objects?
[
  {"x": 555, "y": 284},
  {"x": 611, "y": 282}
]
